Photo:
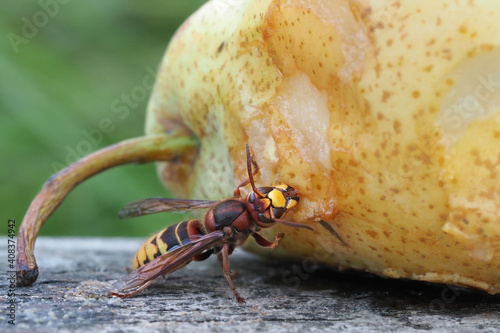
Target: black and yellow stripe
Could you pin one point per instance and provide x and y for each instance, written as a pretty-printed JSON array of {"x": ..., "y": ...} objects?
[{"x": 166, "y": 240}]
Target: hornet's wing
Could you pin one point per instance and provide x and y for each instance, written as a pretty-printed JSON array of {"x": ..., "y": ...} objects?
[{"x": 157, "y": 205}]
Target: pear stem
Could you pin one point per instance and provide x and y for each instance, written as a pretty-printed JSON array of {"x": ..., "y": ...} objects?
[{"x": 145, "y": 149}]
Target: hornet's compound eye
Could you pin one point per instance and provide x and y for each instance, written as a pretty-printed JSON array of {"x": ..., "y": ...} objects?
[{"x": 265, "y": 218}]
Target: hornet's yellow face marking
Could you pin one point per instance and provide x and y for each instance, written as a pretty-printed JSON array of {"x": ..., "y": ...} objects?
[
  {"x": 277, "y": 198},
  {"x": 265, "y": 203},
  {"x": 291, "y": 203},
  {"x": 283, "y": 187}
]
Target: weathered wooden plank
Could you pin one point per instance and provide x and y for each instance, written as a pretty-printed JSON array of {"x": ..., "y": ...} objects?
[{"x": 74, "y": 273}]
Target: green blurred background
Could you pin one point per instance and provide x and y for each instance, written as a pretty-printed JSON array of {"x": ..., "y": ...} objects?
[{"x": 63, "y": 68}]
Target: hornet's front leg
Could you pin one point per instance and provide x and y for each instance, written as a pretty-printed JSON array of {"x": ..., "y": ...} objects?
[
  {"x": 267, "y": 244},
  {"x": 251, "y": 162}
]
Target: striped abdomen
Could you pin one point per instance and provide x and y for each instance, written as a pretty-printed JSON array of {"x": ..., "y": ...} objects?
[{"x": 168, "y": 239}]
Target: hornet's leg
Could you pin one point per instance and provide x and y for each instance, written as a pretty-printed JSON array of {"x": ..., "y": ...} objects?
[
  {"x": 250, "y": 162},
  {"x": 225, "y": 270},
  {"x": 203, "y": 256},
  {"x": 232, "y": 274},
  {"x": 237, "y": 192},
  {"x": 265, "y": 243}
]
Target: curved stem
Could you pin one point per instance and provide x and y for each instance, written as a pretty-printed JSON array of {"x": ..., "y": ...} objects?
[{"x": 138, "y": 150}]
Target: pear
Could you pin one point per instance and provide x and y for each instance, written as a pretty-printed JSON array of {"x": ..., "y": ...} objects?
[{"x": 383, "y": 114}]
